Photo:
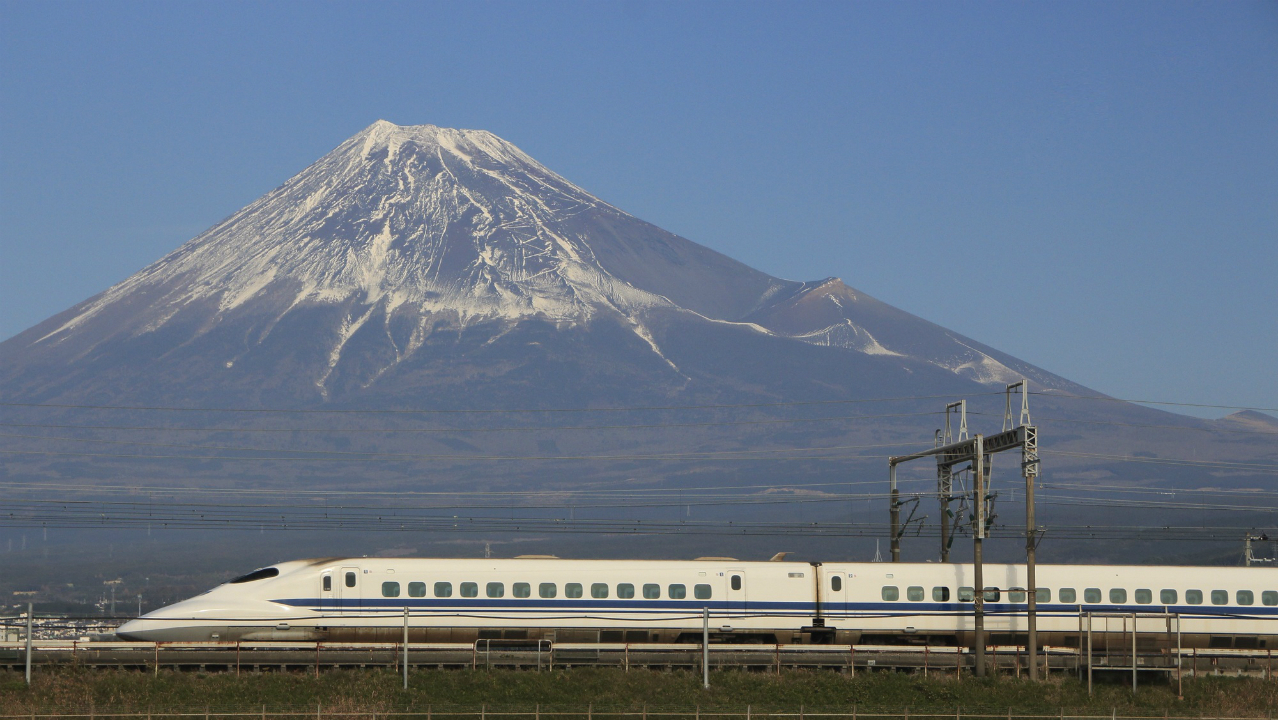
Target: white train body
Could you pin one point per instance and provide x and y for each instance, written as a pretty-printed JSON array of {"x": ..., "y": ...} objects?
[{"x": 355, "y": 599}]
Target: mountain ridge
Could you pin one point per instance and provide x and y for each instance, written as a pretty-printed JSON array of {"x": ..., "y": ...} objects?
[{"x": 403, "y": 234}]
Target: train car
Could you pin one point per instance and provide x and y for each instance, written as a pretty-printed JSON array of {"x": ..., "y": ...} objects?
[
  {"x": 543, "y": 598},
  {"x": 933, "y": 603}
]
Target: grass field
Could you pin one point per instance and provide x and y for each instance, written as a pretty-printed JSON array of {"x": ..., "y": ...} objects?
[{"x": 377, "y": 690}]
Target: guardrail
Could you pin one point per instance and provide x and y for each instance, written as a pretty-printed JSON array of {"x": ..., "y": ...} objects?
[{"x": 483, "y": 654}]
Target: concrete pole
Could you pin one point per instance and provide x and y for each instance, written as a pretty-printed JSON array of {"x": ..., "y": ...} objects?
[
  {"x": 29, "y": 628},
  {"x": 706, "y": 634},
  {"x": 895, "y": 551},
  {"x": 979, "y": 530},
  {"x": 1033, "y": 652},
  {"x": 406, "y": 647}
]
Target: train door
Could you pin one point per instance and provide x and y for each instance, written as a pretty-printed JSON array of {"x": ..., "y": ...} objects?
[
  {"x": 326, "y": 591},
  {"x": 835, "y": 595},
  {"x": 348, "y": 590},
  {"x": 736, "y": 594}
]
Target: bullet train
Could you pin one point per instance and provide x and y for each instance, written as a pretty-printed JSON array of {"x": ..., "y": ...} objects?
[{"x": 545, "y": 598}]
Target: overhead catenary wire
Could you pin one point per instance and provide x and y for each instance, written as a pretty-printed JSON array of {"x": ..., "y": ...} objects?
[
  {"x": 481, "y": 411},
  {"x": 634, "y": 408},
  {"x": 560, "y": 428}
]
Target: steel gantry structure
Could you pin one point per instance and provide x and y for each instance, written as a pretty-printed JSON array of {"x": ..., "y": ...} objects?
[{"x": 949, "y": 453}]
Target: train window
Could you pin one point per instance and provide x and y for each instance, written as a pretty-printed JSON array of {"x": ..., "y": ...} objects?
[
  {"x": 1092, "y": 595},
  {"x": 941, "y": 594},
  {"x": 652, "y": 591},
  {"x": 390, "y": 589},
  {"x": 573, "y": 590},
  {"x": 494, "y": 590},
  {"x": 1244, "y": 597},
  {"x": 1168, "y": 597},
  {"x": 626, "y": 591},
  {"x": 262, "y": 574},
  {"x": 1142, "y": 596},
  {"x": 599, "y": 590},
  {"x": 915, "y": 593},
  {"x": 965, "y": 594},
  {"x": 991, "y": 594},
  {"x": 468, "y": 589},
  {"x": 1043, "y": 595},
  {"x": 735, "y": 582},
  {"x": 1066, "y": 595},
  {"x": 1118, "y": 595},
  {"x": 1218, "y": 597},
  {"x": 548, "y": 590},
  {"x": 836, "y": 583},
  {"x": 326, "y": 584},
  {"x": 1017, "y": 595},
  {"x": 350, "y": 579},
  {"x": 1194, "y": 597},
  {"x": 889, "y": 592},
  {"x": 520, "y": 590},
  {"x": 702, "y": 592},
  {"x": 444, "y": 589},
  {"x": 1269, "y": 597},
  {"x": 675, "y": 592},
  {"x": 417, "y": 589}
]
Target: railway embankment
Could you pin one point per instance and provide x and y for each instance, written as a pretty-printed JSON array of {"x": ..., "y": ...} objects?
[{"x": 615, "y": 694}]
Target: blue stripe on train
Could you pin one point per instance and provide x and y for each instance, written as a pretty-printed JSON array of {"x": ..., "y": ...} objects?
[{"x": 833, "y": 610}]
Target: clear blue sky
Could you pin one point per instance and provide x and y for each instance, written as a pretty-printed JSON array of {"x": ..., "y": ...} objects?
[{"x": 1091, "y": 187}]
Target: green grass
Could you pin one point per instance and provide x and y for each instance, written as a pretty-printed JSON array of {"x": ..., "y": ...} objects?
[{"x": 73, "y": 689}]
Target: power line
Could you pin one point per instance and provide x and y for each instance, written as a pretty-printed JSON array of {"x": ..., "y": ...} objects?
[
  {"x": 1050, "y": 419},
  {"x": 1163, "y": 461},
  {"x": 380, "y": 431},
  {"x": 425, "y": 411},
  {"x": 1146, "y": 402}
]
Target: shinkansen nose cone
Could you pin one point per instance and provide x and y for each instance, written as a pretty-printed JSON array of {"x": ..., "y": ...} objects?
[{"x": 228, "y": 612}]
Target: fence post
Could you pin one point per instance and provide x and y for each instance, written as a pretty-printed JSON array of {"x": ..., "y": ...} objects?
[
  {"x": 706, "y": 634},
  {"x": 406, "y": 647}
]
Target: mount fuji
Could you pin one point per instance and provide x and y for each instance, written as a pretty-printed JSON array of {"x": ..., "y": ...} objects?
[{"x": 418, "y": 262}]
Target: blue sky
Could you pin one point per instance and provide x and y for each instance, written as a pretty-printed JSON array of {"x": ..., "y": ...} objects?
[{"x": 1089, "y": 186}]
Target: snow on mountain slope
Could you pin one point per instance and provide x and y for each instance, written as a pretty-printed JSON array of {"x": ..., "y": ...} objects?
[
  {"x": 832, "y": 313},
  {"x": 404, "y": 236},
  {"x": 426, "y": 222}
]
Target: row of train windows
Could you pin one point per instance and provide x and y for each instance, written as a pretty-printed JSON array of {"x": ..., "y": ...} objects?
[
  {"x": 1117, "y": 596},
  {"x": 625, "y": 591}
]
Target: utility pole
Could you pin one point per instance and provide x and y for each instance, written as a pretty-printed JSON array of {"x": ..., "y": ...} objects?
[
  {"x": 1030, "y": 469},
  {"x": 30, "y": 615},
  {"x": 979, "y": 530},
  {"x": 1251, "y": 559},
  {"x": 945, "y": 477},
  {"x": 894, "y": 514}
]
